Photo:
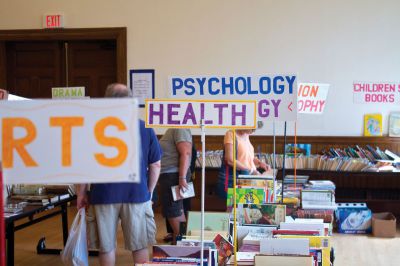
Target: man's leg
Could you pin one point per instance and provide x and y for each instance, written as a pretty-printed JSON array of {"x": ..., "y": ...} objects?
[
  {"x": 141, "y": 255},
  {"x": 139, "y": 227},
  {"x": 107, "y": 223},
  {"x": 107, "y": 259}
]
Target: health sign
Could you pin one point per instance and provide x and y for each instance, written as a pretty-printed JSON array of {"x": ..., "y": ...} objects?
[
  {"x": 189, "y": 114},
  {"x": 69, "y": 141},
  {"x": 275, "y": 94}
]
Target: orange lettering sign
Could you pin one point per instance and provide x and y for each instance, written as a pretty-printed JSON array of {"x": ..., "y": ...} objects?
[
  {"x": 66, "y": 124},
  {"x": 110, "y": 141},
  {"x": 10, "y": 143}
]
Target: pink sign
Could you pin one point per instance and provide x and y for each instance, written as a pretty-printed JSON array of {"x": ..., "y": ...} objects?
[
  {"x": 376, "y": 92},
  {"x": 3, "y": 94},
  {"x": 311, "y": 98}
]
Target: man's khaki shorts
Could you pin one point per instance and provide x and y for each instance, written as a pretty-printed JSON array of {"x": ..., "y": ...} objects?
[{"x": 137, "y": 221}]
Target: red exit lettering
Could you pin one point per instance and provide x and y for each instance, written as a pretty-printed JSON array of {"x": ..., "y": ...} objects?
[{"x": 53, "y": 21}]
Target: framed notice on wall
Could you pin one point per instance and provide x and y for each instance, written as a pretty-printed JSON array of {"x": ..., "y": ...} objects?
[{"x": 142, "y": 84}]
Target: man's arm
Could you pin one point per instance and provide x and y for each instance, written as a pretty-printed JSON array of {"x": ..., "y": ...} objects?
[
  {"x": 154, "y": 173},
  {"x": 82, "y": 198},
  {"x": 185, "y": 154}
]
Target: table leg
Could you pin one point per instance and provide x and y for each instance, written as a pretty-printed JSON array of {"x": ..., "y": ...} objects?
[
  {"x": 64, "y": 219},
  {"x": 10, "y": 243}
]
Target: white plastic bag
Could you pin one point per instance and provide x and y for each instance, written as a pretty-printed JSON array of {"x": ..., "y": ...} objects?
[{"x": 75, "y": 252}]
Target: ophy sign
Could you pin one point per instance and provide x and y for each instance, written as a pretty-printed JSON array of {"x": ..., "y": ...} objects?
[
  {"x": 311, "y": 98},
  {"x": 3, "y": 94},
  {"x": 275, "y": 94},
  {"x": 376, "y": 92},
  {"x": 188, "y": 114},
  {"x": 68, "y": 92},
  {"x": 69, "y": 141}
]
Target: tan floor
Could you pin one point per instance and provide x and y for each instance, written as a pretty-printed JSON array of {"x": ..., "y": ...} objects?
[{"x": 350, "y": 250}]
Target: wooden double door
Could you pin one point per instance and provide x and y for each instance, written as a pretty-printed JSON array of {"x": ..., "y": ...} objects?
[
  {"x": 34, "y": 61},
  {"x": 33, "y": 68}
]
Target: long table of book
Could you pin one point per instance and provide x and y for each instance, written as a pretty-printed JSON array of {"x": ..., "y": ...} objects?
[
  {"x": 274, "y": 226},
  {"x": 36, "y": 210},
  {"x": 380, "y": 190}
]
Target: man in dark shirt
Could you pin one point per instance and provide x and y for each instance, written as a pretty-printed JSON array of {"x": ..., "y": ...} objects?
[{"x": 128, "y": 202}]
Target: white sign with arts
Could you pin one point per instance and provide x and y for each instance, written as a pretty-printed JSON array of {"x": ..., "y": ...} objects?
[
  {"x": 189, "y": 113},
  {"x": 275, "y": 94},
  {"x": 311, "y": 98},
  {"x": 69, "y": 141}
]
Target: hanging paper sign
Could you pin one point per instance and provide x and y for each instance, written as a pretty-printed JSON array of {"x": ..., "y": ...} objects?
[
  {"x": 275, "y": 94},
  {"x": 376, "y": 92},
  {"x": 311, "y": 98},
  {"x": 189, "y": 113},
  {"x": 69, "y": 141},
  {"x": 68, "y": 92},
  {"x": 3, "y": 94}
]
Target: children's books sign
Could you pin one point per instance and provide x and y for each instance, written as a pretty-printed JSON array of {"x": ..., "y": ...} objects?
[
  {"x": 69, "y": 141},
  {"x": 311, "y": 98},
  {"x": 376, "y": 92},
  {"x": 275, "y": 94},
  {"x": 189, "y": 113}
]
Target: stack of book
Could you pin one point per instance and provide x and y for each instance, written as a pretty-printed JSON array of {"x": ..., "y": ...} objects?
[
  {"x": 212, "y": 159},
  {"x": 252, "y": 190},
  {"x": 187, "y": 255},
  {"x": 318, "y": 200}
]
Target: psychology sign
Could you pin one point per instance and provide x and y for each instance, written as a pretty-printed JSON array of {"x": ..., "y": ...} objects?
[
  {"x": 311, "y": 98},
  {"x": 188, "y": 114},
  {"x": 275, "y": 94},
  {"x": 376, "y": 92},
  {"x": 69, "y": 141}
]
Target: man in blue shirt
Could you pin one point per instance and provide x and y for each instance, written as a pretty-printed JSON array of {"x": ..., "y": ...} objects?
[{"x": 128, "y": 202}]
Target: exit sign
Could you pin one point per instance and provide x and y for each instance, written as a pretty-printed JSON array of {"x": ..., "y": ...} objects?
[{"x": 53, "y": 21}]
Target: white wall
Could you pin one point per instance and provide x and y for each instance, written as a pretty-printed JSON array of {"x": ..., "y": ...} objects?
[{"x": 333, "y": 42}]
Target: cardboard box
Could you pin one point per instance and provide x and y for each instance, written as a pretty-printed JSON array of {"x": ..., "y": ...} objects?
[{"x": 383, "y": 224}]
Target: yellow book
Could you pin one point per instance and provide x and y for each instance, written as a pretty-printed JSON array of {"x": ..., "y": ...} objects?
[
  {"x": 372, "y": 125},
  {"x": 323, "y": 242}
]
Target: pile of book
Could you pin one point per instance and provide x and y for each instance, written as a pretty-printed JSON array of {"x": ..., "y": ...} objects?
[
  {"x": 212, "y": 159},
  {"x": 282, "y": 239},
  {"x": 187, "y": 251},
  {"x": 368, "y": 153},
  {"x": 333, "y": 159},
  {"x": 319, "y": 162},
  {"x": 252, "y": 189}
]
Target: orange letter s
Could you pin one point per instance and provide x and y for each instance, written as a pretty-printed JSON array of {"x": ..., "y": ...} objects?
[{"x": 109, "y": 141}]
